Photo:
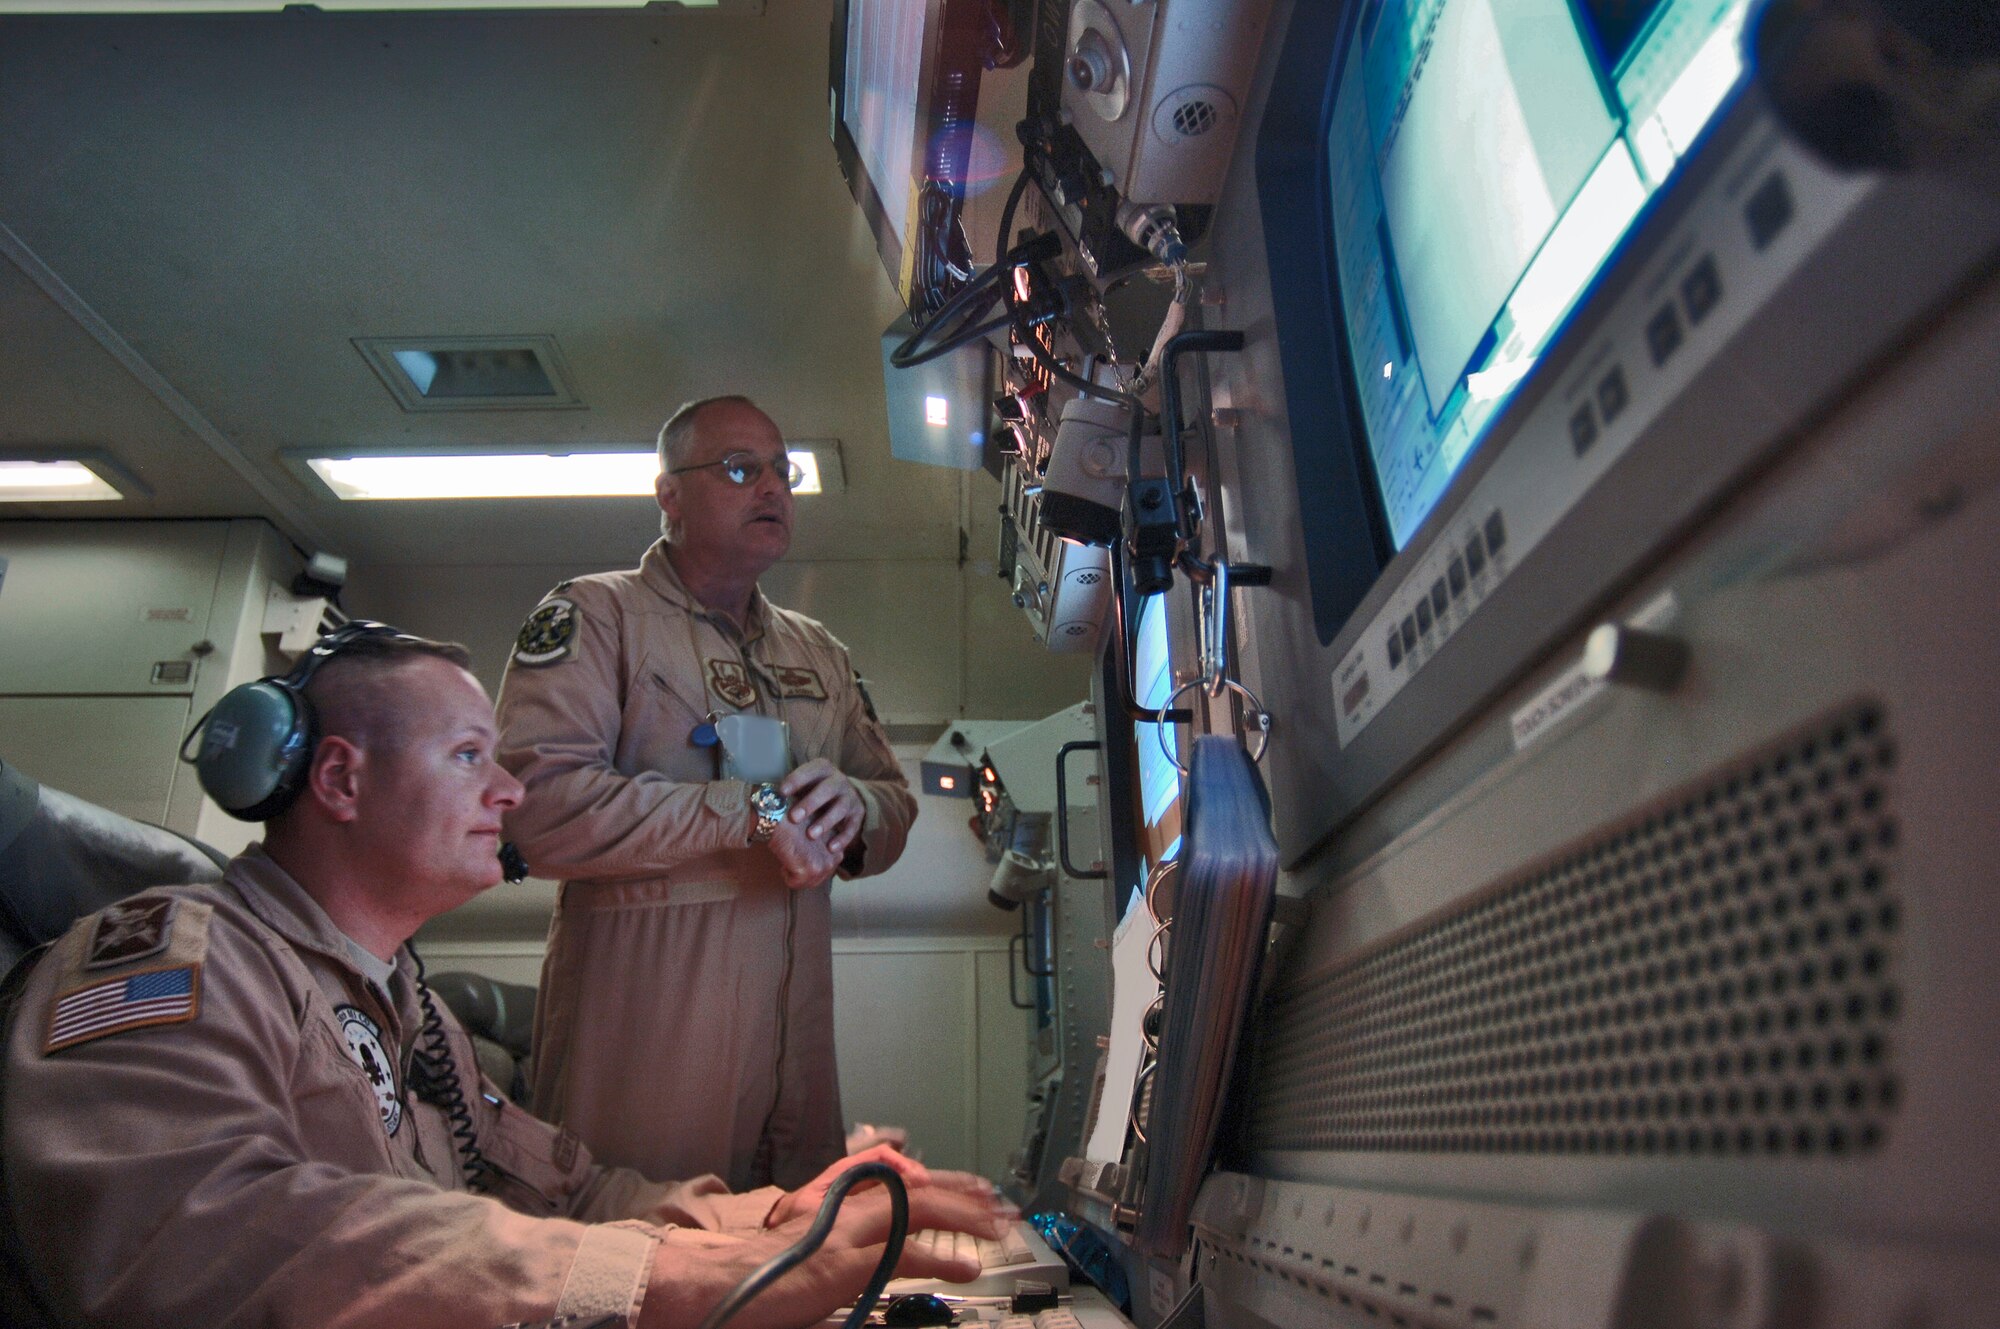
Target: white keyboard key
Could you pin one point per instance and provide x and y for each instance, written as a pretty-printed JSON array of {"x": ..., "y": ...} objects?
[{"x": 1020, "y": 1254}]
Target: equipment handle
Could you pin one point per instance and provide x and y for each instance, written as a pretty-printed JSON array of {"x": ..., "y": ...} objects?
[{"x": 1062, "y": 808}]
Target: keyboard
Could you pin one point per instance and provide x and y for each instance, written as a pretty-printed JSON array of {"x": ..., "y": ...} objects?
[
  {"x": 1086, "y": 1309},
  {"x": 1083, "y": 1307},
  {"x": 1021, "y": 1254}
]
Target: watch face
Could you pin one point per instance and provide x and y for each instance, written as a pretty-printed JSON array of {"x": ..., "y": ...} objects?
[{"x": 767, "y": 800}]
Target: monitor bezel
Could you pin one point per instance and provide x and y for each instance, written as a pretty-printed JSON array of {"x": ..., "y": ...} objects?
[{"x": 1743, "y": 401}]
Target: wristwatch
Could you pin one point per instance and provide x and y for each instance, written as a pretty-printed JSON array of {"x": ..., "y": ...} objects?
[{"x": 770, "y": 806}]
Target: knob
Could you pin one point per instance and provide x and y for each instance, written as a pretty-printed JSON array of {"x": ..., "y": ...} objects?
[
  {"x": 1635, "y": 657},
  {"x": 1090, "y": 68}
]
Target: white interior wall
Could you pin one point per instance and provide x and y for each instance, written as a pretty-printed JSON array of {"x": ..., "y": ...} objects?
[
  {"x": 88, "y": 609},
  {"x": 938, "y": 639}
]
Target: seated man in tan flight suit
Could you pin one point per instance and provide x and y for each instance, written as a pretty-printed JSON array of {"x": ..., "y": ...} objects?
[
  {"x": 238, "y": 1105},
  {"x": 685, "y": 1023}
]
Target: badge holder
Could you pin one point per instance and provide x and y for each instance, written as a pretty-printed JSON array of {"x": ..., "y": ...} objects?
[{"x": 755, "y": 749}]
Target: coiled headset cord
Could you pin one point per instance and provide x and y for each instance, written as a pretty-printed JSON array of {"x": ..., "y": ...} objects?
[{"x": 434, "y": 1080}]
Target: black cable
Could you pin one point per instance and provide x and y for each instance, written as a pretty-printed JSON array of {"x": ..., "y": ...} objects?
[
  {"x": 959, "y": 311},
  {"x": 1035, "y": 348},
  {"x": 966, "y": 304},
  {"x": 799, "y": 1251},
  {"x": 433, "y": 1078}
]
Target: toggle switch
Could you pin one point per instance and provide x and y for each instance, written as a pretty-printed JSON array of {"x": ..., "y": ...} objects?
[{"x": 1634, "y": 657}]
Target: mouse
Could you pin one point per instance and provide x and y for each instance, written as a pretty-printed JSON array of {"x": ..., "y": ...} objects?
[{"x": 916, "y": 1308}]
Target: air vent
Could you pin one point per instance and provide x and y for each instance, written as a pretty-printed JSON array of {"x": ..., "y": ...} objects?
[
  {"x": 1716, "y": 976},
  {"x": 1193, "y": 119},
  {"x": 1192, "y": 112},
  {"x": 471, "y": 373}
]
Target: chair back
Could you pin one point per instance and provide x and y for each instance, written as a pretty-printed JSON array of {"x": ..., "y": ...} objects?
[{"x": 62, "y": 858}]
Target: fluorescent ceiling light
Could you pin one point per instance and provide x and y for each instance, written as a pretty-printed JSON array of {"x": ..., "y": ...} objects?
[
  {"x": 510, "y": 474},
  {"x": 59, "y": 480}
]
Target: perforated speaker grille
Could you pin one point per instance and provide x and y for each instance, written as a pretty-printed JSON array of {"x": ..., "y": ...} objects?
[
  {"x": 1192, "y": 119},
  {"x": 1714, "y": 976}
]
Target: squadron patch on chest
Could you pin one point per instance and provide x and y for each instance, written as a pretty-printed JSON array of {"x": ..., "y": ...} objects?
[
  {"x": 549, "y": 634},
  {"x": 364, "y": 1043},
  {"x": 730, "y": 681},
  {"x": 799, "y": 681}
]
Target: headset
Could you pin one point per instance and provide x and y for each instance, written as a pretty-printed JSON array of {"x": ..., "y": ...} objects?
[{"x": 257, "y": 742}]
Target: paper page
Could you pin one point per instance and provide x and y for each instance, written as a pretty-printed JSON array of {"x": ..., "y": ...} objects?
[{"x": 1132, "y": 991}]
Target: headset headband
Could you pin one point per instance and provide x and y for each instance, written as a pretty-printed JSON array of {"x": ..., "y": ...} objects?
[{"x": 257, "y": 742}]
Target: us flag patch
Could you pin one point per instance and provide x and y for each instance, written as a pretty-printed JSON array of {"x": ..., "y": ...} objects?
[{"x": 163, "y": 996}]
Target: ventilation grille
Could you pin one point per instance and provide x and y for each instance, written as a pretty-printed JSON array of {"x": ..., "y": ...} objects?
[
  {"x": 1192, "y": 119},
  {"x": 1716, "y": 977}
]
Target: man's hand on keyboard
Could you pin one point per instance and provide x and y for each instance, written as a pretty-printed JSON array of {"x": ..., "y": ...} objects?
[
  {"x": 805, "y": 1201},
  {"x": 866, "y": 1135},
  {"x": 836, "y": 1273}
]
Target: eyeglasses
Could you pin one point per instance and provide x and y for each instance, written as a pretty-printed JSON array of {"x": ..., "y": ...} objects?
[{"x": 747, "y": 468}]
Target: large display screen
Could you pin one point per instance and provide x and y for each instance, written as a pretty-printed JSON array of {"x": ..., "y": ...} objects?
[
  {"x": 1159, "y": 778},
  {"x": 1487, "y": 156},
  {"x": 885, "y": 56}
]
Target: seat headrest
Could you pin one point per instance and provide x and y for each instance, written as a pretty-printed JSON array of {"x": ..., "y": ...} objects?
[
  {"x": 19, "y": 797},
  {"x": 62, "y": 858}
]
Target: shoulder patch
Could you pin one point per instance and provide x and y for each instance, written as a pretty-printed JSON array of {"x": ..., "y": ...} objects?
[
  {"x": 128, "y": 931},
  {"x": 549, "y": 634},
  {"x": 130, "y": 1001},
  {"x": 138, "y": 964}
]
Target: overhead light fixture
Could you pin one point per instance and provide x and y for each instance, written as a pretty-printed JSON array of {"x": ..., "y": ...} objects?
[
  {"x": 87, "y": 477},
  {"x": 601, "y": 474},
  {"x": 819, "y": 458}
]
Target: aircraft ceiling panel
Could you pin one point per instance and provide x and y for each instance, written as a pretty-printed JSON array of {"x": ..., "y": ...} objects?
[{"x": 239, "y": 197}]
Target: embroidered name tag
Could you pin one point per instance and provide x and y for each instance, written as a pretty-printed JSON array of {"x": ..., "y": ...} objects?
[
  {"x": 799, "y": 681},
  {"x": 729, "y": 680},
  {"x": 132, "y": 1001}
]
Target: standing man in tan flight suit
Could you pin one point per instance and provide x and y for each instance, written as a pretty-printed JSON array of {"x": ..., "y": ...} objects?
[
  {"x": 237, "y": 1104},
  {"x": 685, "y": 1021}
]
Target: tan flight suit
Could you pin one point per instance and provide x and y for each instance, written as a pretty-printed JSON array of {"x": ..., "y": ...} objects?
[
  {"x": 685, "y": 1020},
  {"x": 236, "y": 1165}
]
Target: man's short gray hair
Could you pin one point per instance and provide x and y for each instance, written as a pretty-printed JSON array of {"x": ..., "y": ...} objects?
[{"x": 677, "y": 434}]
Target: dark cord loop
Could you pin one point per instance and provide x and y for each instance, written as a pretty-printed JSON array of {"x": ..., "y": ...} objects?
[{"x": 799, "y": 1251}]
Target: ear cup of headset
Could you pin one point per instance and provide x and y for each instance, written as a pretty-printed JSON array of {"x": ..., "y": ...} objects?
[{"x": 255, "y": 747}]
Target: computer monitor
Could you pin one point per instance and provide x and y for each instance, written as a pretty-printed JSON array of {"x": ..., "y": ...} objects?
[
  {"x": 1537, "y": 272},
  {"x": 908, "y": 82},
  {"x": 1485, "y": 158}
]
